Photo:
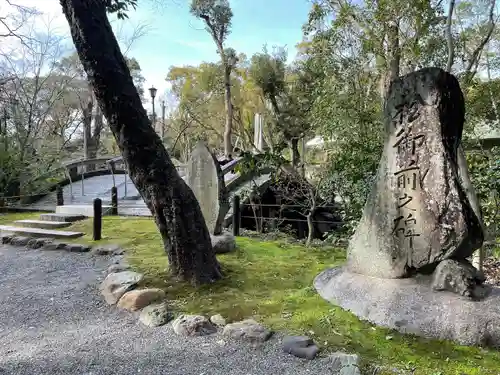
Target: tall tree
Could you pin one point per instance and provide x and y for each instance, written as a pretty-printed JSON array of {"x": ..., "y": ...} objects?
[
  {"x": 174, "y": 207},
  {"x": 217, "y": 15}
]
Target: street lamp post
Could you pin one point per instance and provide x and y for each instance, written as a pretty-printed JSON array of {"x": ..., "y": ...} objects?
[{"x": 152, "y": 92}]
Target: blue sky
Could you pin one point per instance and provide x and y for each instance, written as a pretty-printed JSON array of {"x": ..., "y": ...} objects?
[
  {"x": 178, "y": 38},
  {"x": 175, "y": 37}
]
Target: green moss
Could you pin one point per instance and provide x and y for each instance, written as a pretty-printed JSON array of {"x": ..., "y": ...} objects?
[{"x": 272, "y": 281}]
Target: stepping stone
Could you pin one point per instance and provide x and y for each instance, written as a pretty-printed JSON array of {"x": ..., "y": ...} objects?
[
  {"x": 42, "y": 224},
  {"x": 68, "y": 218},
  {"x": 37, "y": 232}
]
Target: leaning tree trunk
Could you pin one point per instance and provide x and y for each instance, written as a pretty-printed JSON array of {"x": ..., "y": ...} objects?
[
  {"x": 228, "y": 128},
  {"x": 173, "y": 205}
]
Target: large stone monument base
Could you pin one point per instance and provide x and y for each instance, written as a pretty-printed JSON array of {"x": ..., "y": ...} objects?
[{"x": 411, "y": 306}]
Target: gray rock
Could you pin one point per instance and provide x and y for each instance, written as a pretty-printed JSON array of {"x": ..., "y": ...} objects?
[
  {"x": 300, "y": 346},
  {"x": 54, "y": 246},
  {"x": 110, "y": 249},
  {"x": 417, "y": 213},
  {"x": 342, "y": 364},
  {"x": 155, "y": 315},
  {"x": 218, "y": 320},
  {"x": 19, "y": 241},
  {"x": 193, "y": 325},
  {"x": 223, "y": 243},
  {"x": 459, "y": 277},
  {"x": 411, "y": 306},
  {"x": 204, "y": 177},
  {"x": 117, "y": 284},
  {"x": 6, "y": 238},
  {"x": 37, "y": 243},
  {"x": 77, "y": 248},
  {"x": 248, "y": 330}
]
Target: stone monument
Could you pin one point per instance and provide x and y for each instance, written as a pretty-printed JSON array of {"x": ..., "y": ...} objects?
[
  {"x": 418, "y": 227},
  {"x": 204, "y": 176}
]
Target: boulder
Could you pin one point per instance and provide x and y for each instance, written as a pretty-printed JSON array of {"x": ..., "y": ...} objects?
[
  {"x": 54, "y": 246},
  {"x": 417, "y": 213},
  {"x": 218, "y": 320},
  {"x": 459, "y": 277},
  {"x": 37, "y": 243},
  {"x": 248, "y": 330},
  {"x": 110, "y": 249},
  {"x": 20, "y": 241},
  {"x": 117, "y": 284},
  {"x": 137, "y": 299},
  {"x": 77, "y": 248},
  {"x": 155, "y": 315},
  {"x": 342, "y": 364},
  {"x": 300, "y": 346},
  {"x": 193, "y": 325},
  {"x": 223, "y": 243}
]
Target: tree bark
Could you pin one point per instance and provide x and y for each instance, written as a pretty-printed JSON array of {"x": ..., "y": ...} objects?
[
  {"x": 172, "y": 203},
  {"x": 228, "y": 147},
  {"x": 295, "y": 152}
]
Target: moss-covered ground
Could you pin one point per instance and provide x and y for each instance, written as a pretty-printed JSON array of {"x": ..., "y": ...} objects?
[{"x": 272, "y": 282}]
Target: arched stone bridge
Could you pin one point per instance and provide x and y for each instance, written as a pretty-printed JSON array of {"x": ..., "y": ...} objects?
[{"x": 81, "y": 187}]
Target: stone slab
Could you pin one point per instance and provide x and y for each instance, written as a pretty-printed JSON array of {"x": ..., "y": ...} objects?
[
  {"x": 411, "y": 306},
  {"x": 69, "y": 218},
  {"x": 42, "y": 224},
  {"x": 86, "y": 210},
  {"x": 37, "y": 232}
]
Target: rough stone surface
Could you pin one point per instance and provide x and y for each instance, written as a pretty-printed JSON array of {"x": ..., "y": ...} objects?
[
  {"x": 193, "y": 325},
  {"x": 417, "y": 213},
  {"x": 248, "y": 330},
  {"x": 342, "y": 364},
  {"x": 300, "y": 346},
  {"x": 218, "y": 320},
  {"x": 54, "y": 246},
  {"x": 77, "y": 248},
  {"x": 223, "y": 243},
  {"x": 459, "y": 277},
  {"x": 20, "y": 241},
  {"x": 110, "y": 249},
  {"x": 137, "y": 299},
  {"x": 37, "y": 243},
  {"x": 204, "y": 176},
  {"x": 117, "y": 284},
  {"x": 411, "y": 306},
  {"x": 155, "y": 315},
  {"x": 5, "y": 239}
]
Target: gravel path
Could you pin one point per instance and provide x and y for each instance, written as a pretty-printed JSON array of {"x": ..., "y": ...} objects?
[{"x": 53, "y": 321}]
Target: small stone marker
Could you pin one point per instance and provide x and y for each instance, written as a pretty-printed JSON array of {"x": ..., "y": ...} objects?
[
  {"x": 204, "y": 177},
  {"x": 417, "y": 213}
]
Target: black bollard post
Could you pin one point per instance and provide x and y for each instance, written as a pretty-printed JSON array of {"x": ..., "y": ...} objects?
[
  {"x": 236, "y": 215},
  {"x": 97, "y": 219},
  {"x": 59, "y": 196},
  {"x": 114, "y": 201}
]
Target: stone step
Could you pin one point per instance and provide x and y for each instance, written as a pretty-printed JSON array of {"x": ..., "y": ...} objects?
[
  {"x": 84, "y": 209},
  {"x": 60, "y": 217},
  {"x": 37, "y": 232},
  {"x": 42, "y": 224}
]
